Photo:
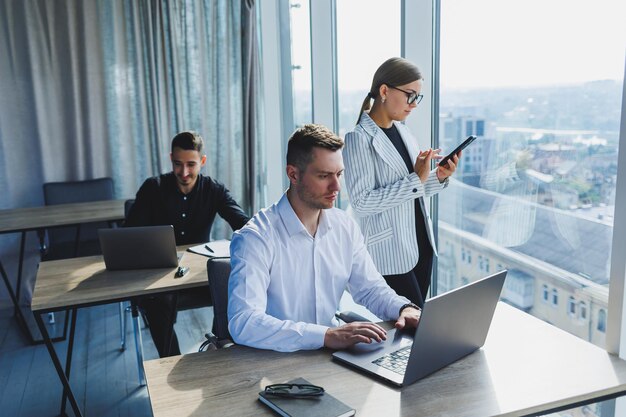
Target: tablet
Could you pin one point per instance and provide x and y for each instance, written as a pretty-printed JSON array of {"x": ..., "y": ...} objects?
[{"x": 458, "y": 149}]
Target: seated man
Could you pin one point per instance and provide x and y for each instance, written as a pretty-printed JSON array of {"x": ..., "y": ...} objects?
[
  {"x": 292, "y": 262},
  {"x": 189, "y": 201}
]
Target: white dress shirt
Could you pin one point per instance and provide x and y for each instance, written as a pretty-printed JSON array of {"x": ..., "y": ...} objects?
[{"x": 285, "y": 285}]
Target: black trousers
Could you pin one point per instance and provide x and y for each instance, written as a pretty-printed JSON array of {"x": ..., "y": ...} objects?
[
  {"x": 415, "y": 283},
  {"x": 161, "y": 314}
]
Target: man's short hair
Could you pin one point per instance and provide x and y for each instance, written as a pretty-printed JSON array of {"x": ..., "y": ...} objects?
[
  {"x": 189, "y": 141},
  {"x": 304, "y": 139}
]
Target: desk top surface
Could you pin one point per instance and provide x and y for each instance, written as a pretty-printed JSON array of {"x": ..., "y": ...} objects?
[
  {"x": 85, "y": 281},
  {"x": 31, "y": 218},
  {"x": 526, "y": 366}
]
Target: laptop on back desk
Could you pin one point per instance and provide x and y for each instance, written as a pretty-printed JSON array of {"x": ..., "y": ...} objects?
[
  {"x": 143, "y": 247},
  {"x": 452, "y": 326}
]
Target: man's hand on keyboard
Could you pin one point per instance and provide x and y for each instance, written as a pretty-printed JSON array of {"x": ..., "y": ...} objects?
[
  {"x": 352, "y": 333},
  {"x": 409, "y": 318}
]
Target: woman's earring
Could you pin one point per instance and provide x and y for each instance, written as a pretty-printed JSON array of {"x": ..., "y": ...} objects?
[{"x": 384, "y": 99}]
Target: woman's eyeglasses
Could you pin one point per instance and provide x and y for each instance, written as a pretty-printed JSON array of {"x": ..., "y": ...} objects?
[
  {"x": 294, "y": 390},
  {"x": 411, "y": 96}
]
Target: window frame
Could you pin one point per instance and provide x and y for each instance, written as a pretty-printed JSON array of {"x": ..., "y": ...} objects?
[
  {"x": 582, "y": 310},
  {"x": 571, "y": 306},
  {"x": 420, "y": 40}
]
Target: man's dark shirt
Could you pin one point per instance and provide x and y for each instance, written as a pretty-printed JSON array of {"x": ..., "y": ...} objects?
[{"x": 160, "y": 202}]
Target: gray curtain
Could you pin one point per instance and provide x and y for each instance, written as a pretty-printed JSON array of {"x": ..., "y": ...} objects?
[
  {"x": 252, "y": 107},
  {"x": 95, "y": 88}
]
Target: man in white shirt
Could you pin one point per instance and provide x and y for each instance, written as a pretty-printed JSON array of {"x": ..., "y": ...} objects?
[{"x": 292, "y": 262}]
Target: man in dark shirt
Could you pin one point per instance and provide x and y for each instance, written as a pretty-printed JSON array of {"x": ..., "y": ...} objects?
[{"x": 189, "y": 201}]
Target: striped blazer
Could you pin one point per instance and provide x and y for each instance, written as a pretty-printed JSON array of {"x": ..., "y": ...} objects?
[{"x": 382, "y": 194}]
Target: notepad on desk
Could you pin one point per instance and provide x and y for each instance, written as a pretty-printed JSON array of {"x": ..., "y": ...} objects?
[
  {"x": 214, "y": 249},
  {"x": 324, "y": 405}
]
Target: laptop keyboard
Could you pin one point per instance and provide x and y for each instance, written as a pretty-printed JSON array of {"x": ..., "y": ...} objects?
[{"x": 395, "y": 361}]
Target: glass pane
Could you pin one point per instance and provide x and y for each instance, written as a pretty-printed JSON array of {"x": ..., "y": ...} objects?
[
  {"x": 600, "y": 409},
  {"x": 535, "y": 194},
  {"x": 368, "y": 33},
  {"x": 300, "y": 21},
  {"x": 364, "y": 41}
]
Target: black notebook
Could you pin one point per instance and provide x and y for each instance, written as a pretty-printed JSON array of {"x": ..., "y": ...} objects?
[{"x": 325, "y": 405}]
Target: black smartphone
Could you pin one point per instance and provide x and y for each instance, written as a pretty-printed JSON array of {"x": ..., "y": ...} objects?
[{"x": 458, "y": 149}]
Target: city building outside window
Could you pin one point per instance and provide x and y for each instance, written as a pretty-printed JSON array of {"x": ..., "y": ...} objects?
[
  {"x": 582, "y": 310},
  {"x": 537, "y": 189},
  {"x": 571, "y": 306},
  {"x": 555, "y": 297},
  {"x": 602, "y": 320}
]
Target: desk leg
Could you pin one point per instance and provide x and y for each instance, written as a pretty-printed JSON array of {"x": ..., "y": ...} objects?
[
  {"x": 57, "y": 365},
  {"x": 68, "y": 358},
  {"x": 15, "y": 297},
  {"x": 138, "y": 343},
  {"x": 18, "y": 312},
  {"x": 20, "y": 266},
  {"x": 122, "y": 326}
]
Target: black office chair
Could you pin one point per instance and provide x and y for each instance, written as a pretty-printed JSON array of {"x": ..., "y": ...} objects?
[
  {"x": 218, "y": 271},
  {"x": 81, "y": 240},
  {"x": 128, "y": 205}
]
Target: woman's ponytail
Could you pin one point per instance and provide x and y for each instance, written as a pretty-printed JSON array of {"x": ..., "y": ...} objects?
[{"x": 365, "y": 106}]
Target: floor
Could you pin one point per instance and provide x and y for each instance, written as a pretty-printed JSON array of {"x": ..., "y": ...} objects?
[{"x": 103, "y": 377}]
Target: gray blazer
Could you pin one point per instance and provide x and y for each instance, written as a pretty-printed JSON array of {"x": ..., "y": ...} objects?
[{"x": 382, "y": 194}]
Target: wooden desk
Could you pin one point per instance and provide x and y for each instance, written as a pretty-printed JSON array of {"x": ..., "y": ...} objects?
[
  {"x": 526, "y": 367},
  {"x": 81, "y": 282},
  {"x": 43, "y": 217},
  {"x": 38, "y": 218}
]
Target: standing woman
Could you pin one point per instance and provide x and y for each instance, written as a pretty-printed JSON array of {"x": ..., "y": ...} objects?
[{"x": 388, "y": 178}]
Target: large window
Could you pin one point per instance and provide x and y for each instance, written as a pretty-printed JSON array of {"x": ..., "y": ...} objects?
[
  {"x": 368, "y": 33},
  {"x": 299, "y": 19},
  {"x": 540, "y": 84},
  {"x": 536, "y": 191}
]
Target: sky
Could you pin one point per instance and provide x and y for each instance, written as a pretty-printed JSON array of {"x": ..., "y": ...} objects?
[
  {"x": 484, "y": 43},
  {"x": 531, "y": 42}
]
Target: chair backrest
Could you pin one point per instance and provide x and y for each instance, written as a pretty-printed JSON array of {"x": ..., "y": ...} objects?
[
  {"x": 128, "y": 206},
  {"x": 61, "y": 240},
  {"x": 218, "y": 270},
  {"x": 66, "y": 192}
]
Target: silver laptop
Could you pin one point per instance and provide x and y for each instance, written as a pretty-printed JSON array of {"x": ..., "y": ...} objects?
[
  {"x": 452, "y": 326},
  {"x": 143, "y": 247}
]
